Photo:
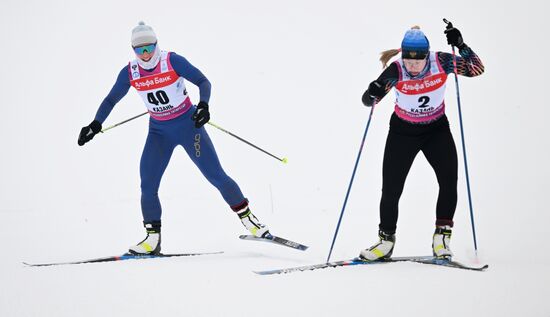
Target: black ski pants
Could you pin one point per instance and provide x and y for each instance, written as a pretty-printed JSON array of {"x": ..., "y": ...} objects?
[{"x": 404, "y": 142}]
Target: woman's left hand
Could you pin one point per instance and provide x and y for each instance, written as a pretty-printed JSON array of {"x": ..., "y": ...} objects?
[
  {"x": 201, "y": 115},
  {"x": 454, "y": 37}
]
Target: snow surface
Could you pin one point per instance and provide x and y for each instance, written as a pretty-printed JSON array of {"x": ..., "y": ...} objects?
[{"x": 288, "y": 76}]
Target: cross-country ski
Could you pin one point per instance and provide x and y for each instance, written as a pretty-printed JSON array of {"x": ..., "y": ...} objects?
[
  {"x": 123, "y": 257},
  {"x": 357, "y": 261}
]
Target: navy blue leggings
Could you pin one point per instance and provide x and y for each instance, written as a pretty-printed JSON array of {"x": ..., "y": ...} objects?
[{"x": 163, "y": 137}]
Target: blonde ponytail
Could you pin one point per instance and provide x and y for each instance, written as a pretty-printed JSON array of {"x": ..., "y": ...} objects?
[{"x": 385, "y": 56}]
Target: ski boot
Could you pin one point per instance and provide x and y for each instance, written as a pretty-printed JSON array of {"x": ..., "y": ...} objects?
[
  {"x": 151, "y": 244},
  {"x": 251, "y": 223},
  {"x": 381, "y": 250},
  {"x": 441, "y": 245}
]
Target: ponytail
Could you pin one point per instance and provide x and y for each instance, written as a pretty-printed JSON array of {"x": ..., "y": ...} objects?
[{"x": 385, "y": 56}]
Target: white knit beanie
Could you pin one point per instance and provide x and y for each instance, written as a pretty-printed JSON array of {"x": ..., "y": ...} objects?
[{"x": 143, "y": 34}]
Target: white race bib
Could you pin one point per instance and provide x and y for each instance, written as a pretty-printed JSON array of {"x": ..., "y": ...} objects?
[
  {"x": 163, "y": 91},
  {"x": 420, "y": 100}
]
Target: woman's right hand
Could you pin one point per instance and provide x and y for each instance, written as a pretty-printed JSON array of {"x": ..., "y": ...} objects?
[
  {"x": 88, "y": 132},
  {"x": 376, "y": 90}
]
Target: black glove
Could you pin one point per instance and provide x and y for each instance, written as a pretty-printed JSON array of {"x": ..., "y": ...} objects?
[
  {"x": 87, "y": 133},
  {"x": 201, "y": 115},
  {"x": 454, "y": 37},
  {"x": 377, "y": 89}
]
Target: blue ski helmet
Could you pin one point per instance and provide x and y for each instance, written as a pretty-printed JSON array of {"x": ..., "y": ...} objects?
[{"x": 415, "y": 44}]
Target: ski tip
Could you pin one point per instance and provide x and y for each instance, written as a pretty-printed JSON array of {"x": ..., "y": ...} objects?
[
  {"x": 301, "y": 247},
  {"x": 476, "y": 268},
  {"x": 36, "y": 264},
  {"x": 210, "y": 253}
]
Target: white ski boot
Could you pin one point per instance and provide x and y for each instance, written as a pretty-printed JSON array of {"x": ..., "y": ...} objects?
[
  {"x": 151, "y": 243},
  {"x": 441, "y": 245},
  {"x": 381, "y": 250},
  {"x": 251, "y": 223}
]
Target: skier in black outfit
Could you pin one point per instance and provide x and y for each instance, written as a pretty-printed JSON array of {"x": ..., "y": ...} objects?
[{"x": 418, "y": 124}]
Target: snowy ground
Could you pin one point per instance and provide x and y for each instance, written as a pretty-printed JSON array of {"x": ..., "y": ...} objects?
[{"x": 287, "y": 75}]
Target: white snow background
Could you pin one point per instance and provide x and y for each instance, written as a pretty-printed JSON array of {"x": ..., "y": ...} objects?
[{"x": 288, "y": 76}]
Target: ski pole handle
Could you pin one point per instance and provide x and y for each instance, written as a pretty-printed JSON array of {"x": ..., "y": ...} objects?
[{"x": 450, "y": 26}]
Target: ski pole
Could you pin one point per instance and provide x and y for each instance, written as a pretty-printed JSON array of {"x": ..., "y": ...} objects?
[
  {"x": 284, "y": 159},
  {"x": 116, "y": 125},
  {"x": 350, "y": 184},
  {"x": 450, "y": 25}
]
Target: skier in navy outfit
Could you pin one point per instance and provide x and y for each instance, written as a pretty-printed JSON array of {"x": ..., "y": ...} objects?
[
  {"x": 158, "y": 76},
  {"x": 419, "y": 124}
]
